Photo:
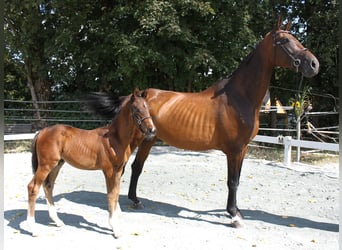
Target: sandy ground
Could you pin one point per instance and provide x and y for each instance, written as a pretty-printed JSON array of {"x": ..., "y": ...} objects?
[{"x": 184, "y": 194}]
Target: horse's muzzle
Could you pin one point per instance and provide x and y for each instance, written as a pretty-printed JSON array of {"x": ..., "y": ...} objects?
[
  {"x": 150, "y": 133},
  {"x": 309, "y": 66}
]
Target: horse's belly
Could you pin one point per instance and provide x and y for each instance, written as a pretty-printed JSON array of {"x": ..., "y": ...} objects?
[
  {"x": 188, "y": 140},
  {"x": 190, "y": 145}
]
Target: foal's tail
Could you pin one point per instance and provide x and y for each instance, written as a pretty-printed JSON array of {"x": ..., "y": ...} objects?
[{"x": 34, "y": 158}]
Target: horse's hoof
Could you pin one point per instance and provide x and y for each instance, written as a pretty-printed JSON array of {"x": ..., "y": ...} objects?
[
  {"x": 237, "y": 222},
  {"x": 138, "y": 205}
]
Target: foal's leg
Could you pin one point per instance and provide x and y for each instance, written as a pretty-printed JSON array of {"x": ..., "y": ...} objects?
[
  {"x": 33, "y": 190},
  {"x": 113, "y": 177},
  {"x": 234, "y": 170},
  {"x": 48, "y": 186},
  {"x": 137, "y": 166}
]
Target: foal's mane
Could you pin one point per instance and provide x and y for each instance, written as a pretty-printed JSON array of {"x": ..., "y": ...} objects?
[{"x": 104, "y": 104}]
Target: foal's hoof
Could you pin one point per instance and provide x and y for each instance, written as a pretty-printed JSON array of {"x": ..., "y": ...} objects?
[
  {"x": 117, "y": 235},
  {"x": 32, "y": 228},
  {"x": 138, "y": 205},
  {"x": 35, "y": 234},
  {"x": 60, "y": 224}
]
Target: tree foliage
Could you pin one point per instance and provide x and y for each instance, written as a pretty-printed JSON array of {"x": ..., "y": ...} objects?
[{"x": 68, "y": 47}]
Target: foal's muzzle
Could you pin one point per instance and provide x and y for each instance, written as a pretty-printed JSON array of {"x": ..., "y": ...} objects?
[{"x": 149, "y": 131}]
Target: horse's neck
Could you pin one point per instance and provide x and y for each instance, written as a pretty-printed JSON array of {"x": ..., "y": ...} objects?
[
  {"x": 122, "y": 128},
  {"x": 252, "y": 79}
]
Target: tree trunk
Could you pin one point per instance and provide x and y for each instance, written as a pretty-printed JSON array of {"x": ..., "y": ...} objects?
[
  {"x": 40, "y": 92},
  {"x": 34, "y": 96}
]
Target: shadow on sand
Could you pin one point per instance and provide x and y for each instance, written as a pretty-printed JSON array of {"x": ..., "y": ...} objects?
[{"x": 97, "y": 199}]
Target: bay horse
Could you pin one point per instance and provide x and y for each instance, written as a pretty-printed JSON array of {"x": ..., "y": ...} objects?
[
  {"x": 106, "y": 148},
  {"x": 224, "y": 116}
]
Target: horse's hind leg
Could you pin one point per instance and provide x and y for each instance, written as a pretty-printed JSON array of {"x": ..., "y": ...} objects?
[
  {"x": 48, "y": 186},
  {"x": 137, "y": 166},
  {"x": 33, "y": 190}
]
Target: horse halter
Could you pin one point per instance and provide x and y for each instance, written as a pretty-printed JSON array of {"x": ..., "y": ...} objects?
[
  {"x": 282, "y": 43},
  {"x": 137, "y": 119}
]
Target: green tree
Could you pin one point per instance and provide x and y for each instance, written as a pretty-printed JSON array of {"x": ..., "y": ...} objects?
[
  {"x": 66, "y": 48},
  {"x": 26, "y": 40},
  {"x": 179, "y": 45}
]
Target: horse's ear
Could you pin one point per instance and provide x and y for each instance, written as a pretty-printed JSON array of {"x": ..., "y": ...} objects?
[
  {"x": 136, "y": 91},
  {"x": 278, "y": 23},
  {"x": 288, "y": 26}
]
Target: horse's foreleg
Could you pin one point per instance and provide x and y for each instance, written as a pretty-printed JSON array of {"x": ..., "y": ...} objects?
[
  {"x": 113, "y": 189},
  {"x": 234, "y": 170},
  {"x": 137, "y": 166},
  {"x": 33, "y": 190},
  {"x": 48, "y": 186}
]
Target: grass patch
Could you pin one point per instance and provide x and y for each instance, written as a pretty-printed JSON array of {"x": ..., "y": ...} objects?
[
  {"x": 257, "y": 151},
  {"x": 17, "y": 146},
  {"x": 276, "y": 153}
]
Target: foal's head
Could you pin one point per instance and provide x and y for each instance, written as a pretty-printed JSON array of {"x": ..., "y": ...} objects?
[
  {"x": 290, "y": 53},
  {"x": 141, "y": 114}
]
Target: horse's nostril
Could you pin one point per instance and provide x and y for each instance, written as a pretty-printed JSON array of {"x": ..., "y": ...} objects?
[
  {"x": 153, "y": 130},
  {"x": 313, "y": 64}
]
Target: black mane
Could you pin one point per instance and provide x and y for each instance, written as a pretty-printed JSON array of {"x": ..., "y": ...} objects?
[
  {"x": 103, "y": 104},
  {"x": 245, "y": 61}
]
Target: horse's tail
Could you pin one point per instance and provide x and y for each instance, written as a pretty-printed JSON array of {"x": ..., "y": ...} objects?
[
  {"x": 103, "y": 104},
  {"x": 34, "y": 158}
]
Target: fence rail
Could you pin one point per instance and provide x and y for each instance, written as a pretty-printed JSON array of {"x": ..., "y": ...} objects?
[
  {"x": 20, "y": 121},
  {"x": 286, "y": 141}
]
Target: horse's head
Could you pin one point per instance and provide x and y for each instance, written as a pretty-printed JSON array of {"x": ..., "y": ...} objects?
[
  {"x": 290, "y": 53},
  {"x": 141, "y": 114}
]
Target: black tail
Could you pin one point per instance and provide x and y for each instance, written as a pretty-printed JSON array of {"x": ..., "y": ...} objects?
[
  {"x": 34, "y": 158},
  {"x": 103, "y": 104}
]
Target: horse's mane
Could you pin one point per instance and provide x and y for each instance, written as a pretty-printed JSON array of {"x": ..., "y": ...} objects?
[
  {"x": 244, "y": 62},
  {"x": 230, "y": 79},
  {"x": 103, "y": 104}
]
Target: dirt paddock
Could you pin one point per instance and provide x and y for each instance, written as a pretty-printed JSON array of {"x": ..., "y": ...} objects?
[{"x": 184, "y": 194}]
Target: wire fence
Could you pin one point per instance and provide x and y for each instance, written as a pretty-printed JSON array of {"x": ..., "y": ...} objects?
[{"x": 21, "y": 117}]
